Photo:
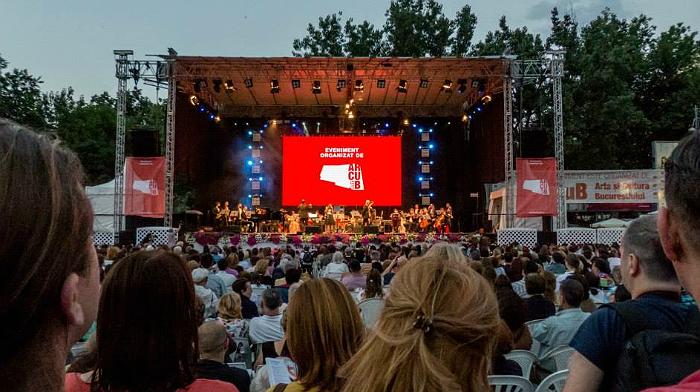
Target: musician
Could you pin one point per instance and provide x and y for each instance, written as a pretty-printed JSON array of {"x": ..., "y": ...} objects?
[
  {"x": 328, "y": 219},
  {"x": 225, "y": 213},
  {"x": 395, "y": 221},
  {"x": 448, "y": 218},
  {"x": 303, "y": 211},
  {"x": 367, "y": 213},
  {"x": 216, "y": 213},
  {"x": 425, "y": 221}
]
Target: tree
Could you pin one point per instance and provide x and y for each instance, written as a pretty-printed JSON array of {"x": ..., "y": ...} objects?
[
  {"x": 464, "y": 24},
  {"x": 20, "y": 97},
  {"x": 363, "y": 40},
  {"x": 415, "y": 28},
  {"x": 326, "y": 40}
]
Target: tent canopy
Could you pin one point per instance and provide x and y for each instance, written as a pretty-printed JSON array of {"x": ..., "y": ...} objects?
[
  {"x": 102, "y": 200},
  {"x": 610, "y": 223}
]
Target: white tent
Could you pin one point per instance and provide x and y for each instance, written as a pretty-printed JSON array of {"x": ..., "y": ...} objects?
[
  {"x": 102, "y": 200},
  {"x": 610, "y": 223}
]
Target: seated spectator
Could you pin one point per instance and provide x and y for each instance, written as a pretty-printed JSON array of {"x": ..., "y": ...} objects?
[
  {"x": 355, "y": 279},
  {"x": 655, "y": 289},
  {"x": 573, "y": 266},
  {"x": 392, "y": 268},
  {"x": 337, "y": 266},
  {"x": 538, "y": 307},
  {"x": 237, "y": 327},
  {"x": 504, "y": 344},
  {"x": 513, "y": 310},
  {"x": 215, "y": 283},
  {"x": 268, "y": 327},
  {"x": 530, "y": 267},
  {"x": 200, "y": 276},
  {"x": 415, "y": 347},
  {"x": 324, "y": 331},
  {"x": 243, "y": 288},
  {"x": 157, "y": 348},
  {"x": 49, "y": 274},
  {"x": 225, "y": 276},
  {"x": 291, "y": 276},
  {"x": 556, "y": 266},
  {"x": 558, "y": 330},
  {"x": 373, "y": 286},
  {"x": 213, "y": 343}
]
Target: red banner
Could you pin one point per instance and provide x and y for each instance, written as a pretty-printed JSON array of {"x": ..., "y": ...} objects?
[
  {"x": 341, "y": 170},
  {"x": 537, "y": 187},
  {"x": 144, "y": 187}
]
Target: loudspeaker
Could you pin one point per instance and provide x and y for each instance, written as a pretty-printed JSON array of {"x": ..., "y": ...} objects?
[
  {"x": 546, "y": 237},
  {"x": 372, "y": 230},
  {"x": 142, "y": 143},
  {"x": 126, "y": 237},
  {"x": 312, "y": 230}
]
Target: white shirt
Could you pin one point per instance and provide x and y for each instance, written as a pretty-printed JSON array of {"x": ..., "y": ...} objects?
[
  {"x": 227, "y": 278},
  {"x": 210, "y": 300},
  {"x": 561, "y": 278},
  {"x": 337, "y": 268},
  {"x": 266, "y": 329}
]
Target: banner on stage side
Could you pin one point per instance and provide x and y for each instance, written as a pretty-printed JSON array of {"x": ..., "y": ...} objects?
[
  {"x": 537, "y": 187},
  {"x": 341, "y": 170},
  {"x": 144, "y": 193},
  {"x": 613, "y": 186}
]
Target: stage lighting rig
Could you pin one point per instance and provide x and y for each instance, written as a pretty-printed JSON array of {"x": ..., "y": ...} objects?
[
  {"x": 359, "y": 86},
  {"x": 316, "y": 87},
  {"x": 274, "y": 86},
  {"x": 447, "y": 85},
  {"x": 340, "y": 85},
  {"x": 423, "y": 83},
  {"x": 381, "y": 83},
  {"x": 462, "y": 86},
  {"x": 296, "y": 83},
  {"x": 216, "y": 85},
  {"x": 228, "y": 85},
  {"x": 403, "y": 86},
  {"x": 248, "y": 82}
]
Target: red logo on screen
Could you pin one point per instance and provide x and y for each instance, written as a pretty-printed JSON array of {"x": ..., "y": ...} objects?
[{"x": 344, "y": 176}]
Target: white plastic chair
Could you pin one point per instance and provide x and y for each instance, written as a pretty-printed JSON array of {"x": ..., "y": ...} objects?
[
  {"x": 535, "y": 348},
  {"x": 369, "y": 311},
  {"x": 524, "y": 358},
  {"x": 510, "y": 384},
  {"x": 560, "y": 355},
  {"x": 554, "y": 382}
]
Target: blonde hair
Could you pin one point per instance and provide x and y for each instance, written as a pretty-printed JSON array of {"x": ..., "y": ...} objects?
[
  {"x": 324, "y": 330},
  {"x": 261, "y": 266},
  {"x": 230, "y": 307},
  {"x": 445, "y": 250},
  {"x": 435, "y": 333},
  {"x": 232, "y": 260}
]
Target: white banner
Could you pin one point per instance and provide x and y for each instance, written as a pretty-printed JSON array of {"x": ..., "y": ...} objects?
[{"x": 613, "y": 186}]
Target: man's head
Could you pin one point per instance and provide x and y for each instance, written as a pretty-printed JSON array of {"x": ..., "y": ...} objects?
[
  {"x": 271, "y": 302},
  {"x": 679, "y": 221},
  {"x": 213, "y": 341},
  {"x": 292, "y": 276},
  {"x": 200, "y": 276},
  {"x": 242, "y": 287},
  {"x": 571, "y": 293},
  {"x": 534, "y": 284},
  {"x": 643, "y": 264}
]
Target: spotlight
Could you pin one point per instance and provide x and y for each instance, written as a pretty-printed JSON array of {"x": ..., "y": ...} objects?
[
  {"x": 340, "y": 84},
  {"x": 381, "y": 83},
  {"x": 406, "y": 121},
  {"x": 296, "y": 83},
  {"x": 447, "y": 86},
  {"x": 248, "y": 82},
  {"x": 462, "y": 86},
  {"x": 216, "y": 84},
  {"x": 486, "y": 99},
  {"x": 274, "y": 86},
  {"x": 217, "y": 118},
  {"x": 423, "y": 83},
  {"x": 402, "y": 86},
  {"x": 351, "y": 115},
  {"x": 465, "y": 118},
  {"x": 194, "y": 100},
  {"x": 359, "y": 86},
  {"x": 316, "y": 87},
  {"x": 202, "y": 108},
  {"x": 228, "y": 85}
]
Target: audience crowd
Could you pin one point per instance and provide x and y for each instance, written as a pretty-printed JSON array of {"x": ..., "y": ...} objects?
[{"x": 380, "y": 317}]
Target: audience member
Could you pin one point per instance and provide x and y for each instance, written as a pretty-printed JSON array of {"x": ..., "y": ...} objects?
[
  {"x": 49, "y": 274},
  {"x": 200, "y": 277},
  {"x": 651, "y": 280},
  {"x": 268, "y": 327},
  {"x": 424, "y": 339},
  {"x": 355, "y": 279},
  {"x": 230, "y": 315},
  {"x": 213, "y": 343},
  {"x": 243, "y": 288},
  {"x": 291, "y": 276},
  {"x": 530, "y": 267},
  {"x": 513, "y": 311},
  {"x": 373, "y": 286},
  {"x": 158, "y": 347},
  {"x": 538, "y": 307}
]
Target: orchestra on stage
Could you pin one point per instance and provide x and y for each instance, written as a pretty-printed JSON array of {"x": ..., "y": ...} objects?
[{"x": 332, "y": 219}]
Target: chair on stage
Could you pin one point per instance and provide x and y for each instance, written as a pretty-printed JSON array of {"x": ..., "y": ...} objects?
[{"x": 510, "y": 384}]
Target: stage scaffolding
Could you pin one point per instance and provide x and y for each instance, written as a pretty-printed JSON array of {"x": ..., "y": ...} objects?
[{"x": 165, "y": 73}]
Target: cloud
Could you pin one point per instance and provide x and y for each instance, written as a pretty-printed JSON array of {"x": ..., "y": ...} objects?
[{"x": 583, "y": 10}]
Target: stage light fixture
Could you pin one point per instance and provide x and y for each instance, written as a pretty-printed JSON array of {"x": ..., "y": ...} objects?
[
  {"x": 406, "y": 121},
  {"x": 228, "y": 85},
  {"x": 194, "y": 100},
  {"x": 248, "y": 82},
  {"x": 351, "y": 115},
  {"x": 274, "y": 86},
  {"x": 381, "y": 83},
  {"x": 447, "y": 86},
  {"x": 403, "y": 86},
  {"x": 296, "y": 83},
  {"x": 217, "y": 118},
  {"x": 340, "y": 84},
  {"x": 359, "y": 86},
  {"x": 198, "y": 85},
  {"x": 462, "y": 86},
  {"x": 316, "y": 87},
  {"x": 486, "y": 99},
  {"x": 423, "y": 83},
  {"x": 216, "y": 84},
  {"x": 465, "y": 118}
]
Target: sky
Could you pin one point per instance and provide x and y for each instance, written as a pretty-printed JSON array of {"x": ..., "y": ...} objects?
[{"x": 70, "y": 42}]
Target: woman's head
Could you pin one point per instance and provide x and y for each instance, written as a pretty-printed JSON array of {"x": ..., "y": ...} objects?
[
  {"x": 324, "y": 330},
  {"x": 230, "y": 306},
  {"x": 261, "y": 266},
  {"x": 355, "y": 266},
  {"x": 373, "y": 289},
  {"x": 445, "y": 250},
  {"x": 49, "y": 280},
  {"x": 147, "y": 324},
  {"x": 424, "y": 340},
  {"x": 338, "y": 257}
]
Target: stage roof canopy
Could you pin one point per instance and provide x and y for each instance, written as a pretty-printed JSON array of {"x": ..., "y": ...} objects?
[{"x": 320, "y": 86}]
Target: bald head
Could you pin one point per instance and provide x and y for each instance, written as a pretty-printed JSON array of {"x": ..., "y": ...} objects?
[{"x": 212, "y": 340}]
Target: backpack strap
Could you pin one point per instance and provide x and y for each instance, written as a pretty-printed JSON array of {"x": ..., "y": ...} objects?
[
  {"x": 635, "y": 321},
  {"x": 280, "y": 388}
]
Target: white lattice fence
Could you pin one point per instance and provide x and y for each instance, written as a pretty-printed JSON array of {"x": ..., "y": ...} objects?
[
  {"x": 160, "y": 234},
  {"x": 521, "y": 236},
  {"x": 103, "y": 238},
  {"x": 576, "y": 236},
  {"x": 610, "y": 236}
]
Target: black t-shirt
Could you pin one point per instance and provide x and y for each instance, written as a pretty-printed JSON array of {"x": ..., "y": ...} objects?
[
  {"x": 212, "y": 370},
  {"x": 539, "y": 307},
  {"x": 248, "y": 308}
]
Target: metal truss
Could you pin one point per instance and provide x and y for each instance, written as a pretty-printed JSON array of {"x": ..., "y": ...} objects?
[
  {"x": 170, "y": 148},
  {"x": 524, "y": 71},
  {"x": 153, "y": 73}
]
